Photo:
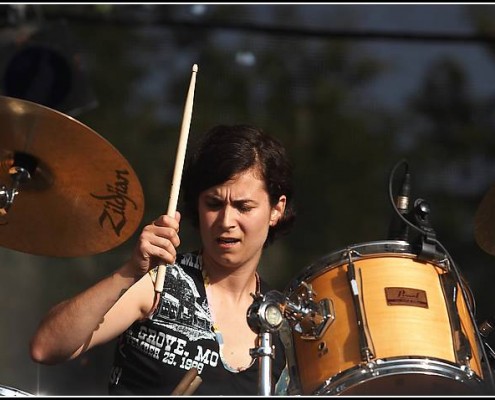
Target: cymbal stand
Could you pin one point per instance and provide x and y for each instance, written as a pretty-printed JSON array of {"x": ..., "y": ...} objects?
[
  {"x": 23, "y": 167},
  {"x": 19, "y": 175}
]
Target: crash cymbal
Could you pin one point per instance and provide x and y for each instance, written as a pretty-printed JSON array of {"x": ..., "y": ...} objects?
[
  {"x": 484, "y": 222},
  {"x": 76, "y": 194}
]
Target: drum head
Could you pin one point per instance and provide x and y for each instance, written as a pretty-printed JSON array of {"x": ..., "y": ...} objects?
[{"x": 370, "y": 249}]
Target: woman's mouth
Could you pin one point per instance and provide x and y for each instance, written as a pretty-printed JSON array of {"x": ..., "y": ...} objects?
[{"x": 227, "y": 242}]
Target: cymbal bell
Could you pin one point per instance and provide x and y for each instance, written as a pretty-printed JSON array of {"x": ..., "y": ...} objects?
[
  {"x": 484, "y": 222},
  {"x": 72, "y": 193}
]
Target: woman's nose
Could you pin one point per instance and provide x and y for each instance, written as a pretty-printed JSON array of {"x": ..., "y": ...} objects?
[{"x": 227, "y": 217}]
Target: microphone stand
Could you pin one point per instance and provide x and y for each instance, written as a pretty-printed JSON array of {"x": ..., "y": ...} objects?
[{"x": 265, "y": 317}]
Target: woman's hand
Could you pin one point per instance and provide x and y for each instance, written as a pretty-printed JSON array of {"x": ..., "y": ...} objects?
[{"x": 156, "y": 244}]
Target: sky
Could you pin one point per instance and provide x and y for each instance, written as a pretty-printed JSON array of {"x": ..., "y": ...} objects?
[{"x": 409, "y": 59}]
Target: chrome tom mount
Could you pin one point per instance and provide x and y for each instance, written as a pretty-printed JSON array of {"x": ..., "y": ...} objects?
[{"x": 266, "y": 315}]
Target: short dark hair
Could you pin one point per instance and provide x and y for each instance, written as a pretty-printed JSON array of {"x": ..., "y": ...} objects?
[{"x": 226, "y": 150}]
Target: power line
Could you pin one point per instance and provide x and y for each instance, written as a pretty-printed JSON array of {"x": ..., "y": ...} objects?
[{"x": 295, "y": 32}]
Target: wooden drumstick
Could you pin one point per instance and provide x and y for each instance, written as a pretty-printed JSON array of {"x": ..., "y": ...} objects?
[
  {"x": 179, "y": 164},
  {"x": 193, "y": 386},
  {"x": 188, "y": 384}
]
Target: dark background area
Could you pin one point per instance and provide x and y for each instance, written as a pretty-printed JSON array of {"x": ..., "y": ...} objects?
[{"x": 350, "y": 89}]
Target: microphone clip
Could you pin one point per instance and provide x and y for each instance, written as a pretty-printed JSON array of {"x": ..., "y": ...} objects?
[{"x": 427, "y": 246}]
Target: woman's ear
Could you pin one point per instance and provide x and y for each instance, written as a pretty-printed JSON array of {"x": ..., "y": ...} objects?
[{"x": 278, "y": 210}]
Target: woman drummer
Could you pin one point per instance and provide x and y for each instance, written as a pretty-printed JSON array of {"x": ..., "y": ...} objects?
[{"x": 238, "y": 192}]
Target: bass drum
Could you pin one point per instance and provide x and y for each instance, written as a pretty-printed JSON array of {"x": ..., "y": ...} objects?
[
  {"x": 398, "y": 326},
  {"x": 8, "y": 391}
]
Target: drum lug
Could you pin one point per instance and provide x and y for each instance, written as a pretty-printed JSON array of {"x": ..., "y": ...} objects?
[{"x": 468, "y": 371}]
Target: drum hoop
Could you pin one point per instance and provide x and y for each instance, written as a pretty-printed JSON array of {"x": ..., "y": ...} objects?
[
  {"x": 399, "y": 365},
  {"x": 379, "y": 248}
]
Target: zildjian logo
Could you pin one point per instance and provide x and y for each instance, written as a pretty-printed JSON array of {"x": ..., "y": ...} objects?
[{"x": 115, "y": 202}]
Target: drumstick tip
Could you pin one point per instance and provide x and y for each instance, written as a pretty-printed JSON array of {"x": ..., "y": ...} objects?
[{"x": 195, "y": 68}]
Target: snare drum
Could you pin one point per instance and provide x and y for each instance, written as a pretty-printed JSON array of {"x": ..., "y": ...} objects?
[{"x": 400, "y": 326}]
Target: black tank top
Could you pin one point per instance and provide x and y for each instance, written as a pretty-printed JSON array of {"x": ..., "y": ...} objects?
[{"x": 152, "y": 355}]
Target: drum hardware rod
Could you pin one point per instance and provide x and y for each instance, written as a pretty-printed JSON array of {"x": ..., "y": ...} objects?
[
  {"x": 462, "y": 348},
  {"x": 264, "y": 352},
  {"x": 491, "y": 352},
  {"x": 366, "y": 353},
  {"x": 290, "y": 377},
  {"x": 264, "y": 317}
]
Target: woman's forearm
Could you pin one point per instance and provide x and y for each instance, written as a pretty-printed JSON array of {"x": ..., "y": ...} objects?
[{"x": 67, "y": 330}]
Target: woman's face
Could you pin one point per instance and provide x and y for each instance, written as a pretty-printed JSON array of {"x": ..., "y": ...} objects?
[{"x": 234, "y": 219}]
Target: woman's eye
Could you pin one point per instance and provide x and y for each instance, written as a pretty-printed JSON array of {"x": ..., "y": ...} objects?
[
  {"x": 213, "y": 205},
  {"x": 245, "y": 208}
]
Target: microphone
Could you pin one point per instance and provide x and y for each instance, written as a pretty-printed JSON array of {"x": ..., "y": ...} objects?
[{"x": 398, "y": 229}]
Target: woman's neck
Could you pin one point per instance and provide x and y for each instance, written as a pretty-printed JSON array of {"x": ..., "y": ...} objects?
[{"x": 235, "y": 287}]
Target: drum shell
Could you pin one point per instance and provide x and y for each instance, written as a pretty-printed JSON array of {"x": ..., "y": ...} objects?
[{"x": 412, "y": 340}]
